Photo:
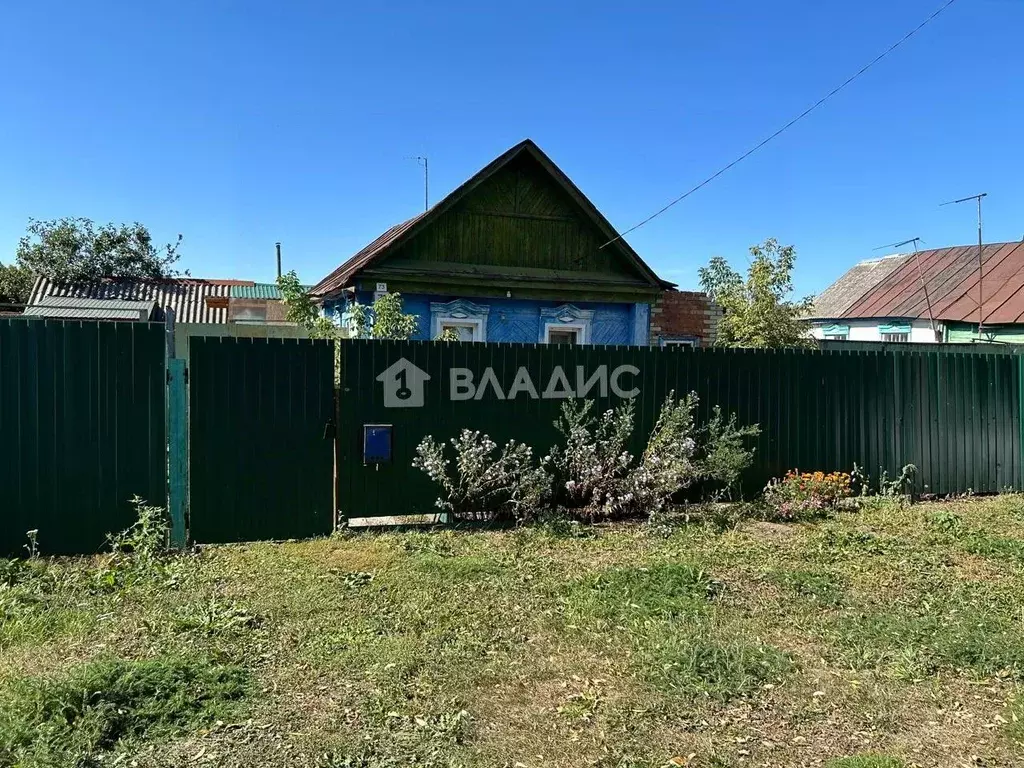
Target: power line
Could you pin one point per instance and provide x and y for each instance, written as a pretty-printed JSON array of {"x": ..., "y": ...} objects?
[{"x": 790, "y": 124}]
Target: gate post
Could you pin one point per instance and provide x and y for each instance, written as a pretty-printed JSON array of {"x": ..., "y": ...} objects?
[{"x": 177, "y": 451}]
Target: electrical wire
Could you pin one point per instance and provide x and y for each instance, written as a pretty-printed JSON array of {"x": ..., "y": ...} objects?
[{"x": 790, "y": 124}]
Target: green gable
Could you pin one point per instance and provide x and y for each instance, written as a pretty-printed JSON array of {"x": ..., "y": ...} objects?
[{"x": 519, "y": 225}]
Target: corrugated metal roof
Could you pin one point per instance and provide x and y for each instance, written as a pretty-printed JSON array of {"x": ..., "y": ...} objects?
[
  {"x": 72, "y": 308},
  {"x": 256, "y": 291},
  {"x": 186, "y": 296},
  {"x": 951, "y": 276},
  {"x": 268, "y": 291},
  {"x": 844, "y": 292}
]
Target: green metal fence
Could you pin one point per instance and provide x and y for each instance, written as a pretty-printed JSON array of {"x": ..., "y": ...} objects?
[
  {"x": 82, "y": 429},
  {"x": 954, "y": 415},
  {"x": 260, "y": 463}
]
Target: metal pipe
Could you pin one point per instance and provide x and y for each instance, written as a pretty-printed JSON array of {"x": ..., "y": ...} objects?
[
  {"x": 278, "y": 246},
  {"x": 981, "y": 274}
]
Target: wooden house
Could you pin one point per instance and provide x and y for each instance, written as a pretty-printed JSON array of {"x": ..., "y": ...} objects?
[{"x": 517, "y": 253}]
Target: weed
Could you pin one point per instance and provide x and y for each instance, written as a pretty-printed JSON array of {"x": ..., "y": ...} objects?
[
  {"x": 33, "y": 543},
  {"x": 72, "y": 719},
  {"x": 556, "y": 523},
  {"x": 38, "y": 600},
  {"x": 357, "y": 579},
  {"x": 700, "y": 660},
  {"x": 821, "y": 587},
  {"x": 664, "y": 590},
  {"x": 946, "y": 522},
  {"x": 964, "y": 632},
  {"x": 865, "y": 761},
  {"x": 138, "y": 553},
  {"x": 215, "y": 618},
  {"x": 1013, "y": 727}
]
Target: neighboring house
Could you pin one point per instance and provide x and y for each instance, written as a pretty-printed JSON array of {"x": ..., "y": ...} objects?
[
  {"x": 188, "y": 300},
  {"x": 256, "y": 303},
  {"x": 684, "y": 318},
  {"x": 516, "y": 253},
  {"x": 932, "y": 296}
]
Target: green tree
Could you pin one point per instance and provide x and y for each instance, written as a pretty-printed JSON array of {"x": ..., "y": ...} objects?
[
  {"x": 15, "y": 284},
  {"x": 383, "y": 319},
  {"x": 758, "y": 310},
  {"x": 302, "y": 310},
  {"x": 71, "y": 250}
]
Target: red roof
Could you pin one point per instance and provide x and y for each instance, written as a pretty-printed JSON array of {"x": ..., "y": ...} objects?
[
  {"x": 951, "y": 277},
  {"x": 342, "y": 276}
]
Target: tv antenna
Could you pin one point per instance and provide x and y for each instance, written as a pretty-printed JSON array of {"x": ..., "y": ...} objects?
[
  {"x": 920, "y": 276},
  {"x": 420, "y": 160},
  {"x": 981, "y": 266}
]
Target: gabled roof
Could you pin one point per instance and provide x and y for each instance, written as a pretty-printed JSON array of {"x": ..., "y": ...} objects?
[
  {"x": 187, "y": 296},
  {"x": 845, "y": 291},
  {"x": 400, "y": 233},
  {"x": 951, "y": 276}
]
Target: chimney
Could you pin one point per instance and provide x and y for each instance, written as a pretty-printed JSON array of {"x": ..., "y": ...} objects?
[{"x": 278, "y": 246}]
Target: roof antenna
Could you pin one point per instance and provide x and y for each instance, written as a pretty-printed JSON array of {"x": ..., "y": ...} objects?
[
  {"x": 920, "y": 276},
  {"x": 426, "y": 179},
  {"x": 981, "y": 266}
]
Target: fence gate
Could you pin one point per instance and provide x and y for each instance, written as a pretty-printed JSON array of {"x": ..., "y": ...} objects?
[{"x": 260, "y": 455}]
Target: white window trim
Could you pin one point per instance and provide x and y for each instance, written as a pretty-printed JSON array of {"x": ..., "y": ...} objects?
[
  {"x": 679, "y": 343},
  {"x": 580, "y": 328},
  {"x": 459, "y": 312},
  {"x": 566, "y": 318},
  {"x": 462, "y": 322}
]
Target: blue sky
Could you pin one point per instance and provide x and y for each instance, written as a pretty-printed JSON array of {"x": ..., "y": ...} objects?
[{"x": 242, "y": 123}]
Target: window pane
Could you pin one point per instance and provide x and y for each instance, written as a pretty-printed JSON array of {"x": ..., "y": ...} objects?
[
  {"x": 897, "y": 337},
  {"x": 466, "y": 332},
  {"x": 562, "y": 337}
]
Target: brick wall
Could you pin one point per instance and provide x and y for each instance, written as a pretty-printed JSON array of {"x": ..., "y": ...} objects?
[{"x": 684, "y": 314}]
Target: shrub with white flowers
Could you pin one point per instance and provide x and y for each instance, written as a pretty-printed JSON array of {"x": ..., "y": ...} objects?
[
  {"x": 507, "y": 485},
  {"x": 593, "y": 473},
  {"x": 594, "y": 460},
  {"x": 599, "y": 477}
]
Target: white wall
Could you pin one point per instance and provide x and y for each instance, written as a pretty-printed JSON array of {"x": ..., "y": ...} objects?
[{"x": 867, "y": 330}]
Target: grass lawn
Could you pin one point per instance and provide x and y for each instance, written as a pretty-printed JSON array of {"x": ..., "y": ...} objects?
[{"x": 886, "y": 638}]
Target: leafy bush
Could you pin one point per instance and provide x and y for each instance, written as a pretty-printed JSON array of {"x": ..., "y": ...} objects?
[
  {"x": 69, "y": 720},
  {"x": 594, "y": 460},
  {"x": 506, "y": 486},
  {"x": 595, "y": 475},
  {"x": 725, "y": 456},
  {"x": 811, "y": 494},
  {"x": 599, "y": 477}
]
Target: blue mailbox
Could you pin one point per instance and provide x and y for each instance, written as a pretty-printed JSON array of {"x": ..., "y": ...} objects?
[{"x": 376, "y": 443}]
